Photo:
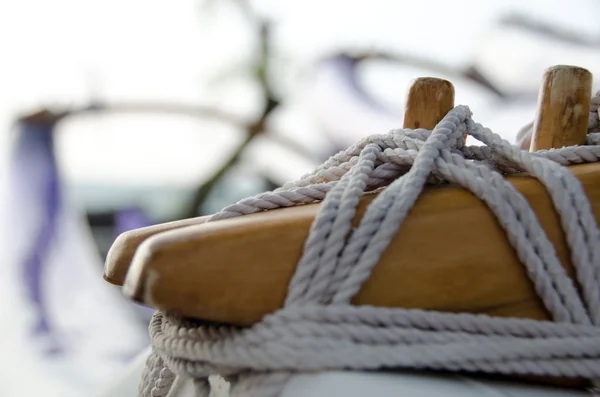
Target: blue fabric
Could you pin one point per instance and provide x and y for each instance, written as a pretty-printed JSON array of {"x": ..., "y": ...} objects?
[{"x": 35, "y": 165}]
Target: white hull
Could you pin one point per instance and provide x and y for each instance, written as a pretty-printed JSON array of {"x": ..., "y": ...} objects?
[{"x": 360, "y": 384}]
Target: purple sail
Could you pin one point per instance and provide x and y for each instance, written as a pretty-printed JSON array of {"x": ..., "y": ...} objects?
[{"x": 76, "y": 326}]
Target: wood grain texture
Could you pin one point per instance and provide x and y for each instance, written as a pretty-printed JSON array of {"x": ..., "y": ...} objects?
[
  {"x": 563, "y": 108},
  {"x": 428, "y": 100},
  {"x": 450, "y": 254},
  {"x": 121, "y": 252}
]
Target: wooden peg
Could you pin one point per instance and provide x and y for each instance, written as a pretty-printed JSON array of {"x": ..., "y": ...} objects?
[
  {"x": 563, "y": 108},
  {"x": 121, "y": 252},
  {"x": 428, "y": 100}
]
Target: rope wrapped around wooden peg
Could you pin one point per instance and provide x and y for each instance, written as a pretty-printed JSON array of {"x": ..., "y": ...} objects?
[{"x": 319, "y": 329}]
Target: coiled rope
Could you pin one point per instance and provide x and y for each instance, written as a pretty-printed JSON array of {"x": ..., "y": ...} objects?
[{"x": 318, "y": 328}]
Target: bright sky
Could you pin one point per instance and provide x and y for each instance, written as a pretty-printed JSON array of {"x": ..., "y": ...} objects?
[{"x": 67, "y": 51}]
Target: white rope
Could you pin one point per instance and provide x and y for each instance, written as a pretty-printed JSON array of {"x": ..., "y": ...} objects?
[{"x": 318, "y": 328}]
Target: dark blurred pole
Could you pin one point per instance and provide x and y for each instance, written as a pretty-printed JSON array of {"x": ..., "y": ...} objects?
[
  {"x": 550, "y": 31},
  {"x": 260, "y": 72}
]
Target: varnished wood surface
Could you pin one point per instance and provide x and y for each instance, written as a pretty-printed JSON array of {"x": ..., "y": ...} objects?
[{"x": 450, "y": 255}]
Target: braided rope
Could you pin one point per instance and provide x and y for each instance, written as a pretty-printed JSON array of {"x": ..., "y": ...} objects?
[{"x": 318, "y": 328}]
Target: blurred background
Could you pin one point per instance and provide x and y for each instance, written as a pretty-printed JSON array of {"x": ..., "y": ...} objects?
[{"x": 117, "y": 114}]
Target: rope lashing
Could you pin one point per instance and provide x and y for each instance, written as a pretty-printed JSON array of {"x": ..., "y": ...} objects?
[{"x": 319, "y": 329}]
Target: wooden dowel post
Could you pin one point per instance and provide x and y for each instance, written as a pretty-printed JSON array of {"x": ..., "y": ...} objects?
[
  {"x": 563, "y": 108},
  {"x": 428, "y": 100}
]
